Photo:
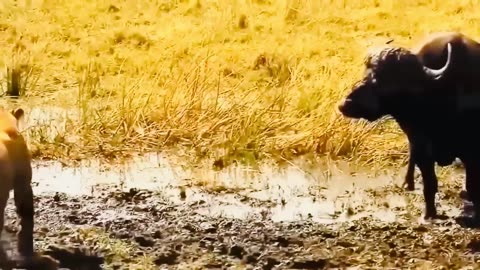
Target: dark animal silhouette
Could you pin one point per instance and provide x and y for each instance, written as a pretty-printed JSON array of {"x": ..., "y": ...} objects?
[
  {"x": 429, "y": 53},
  {"x": 433, "y": 92}
]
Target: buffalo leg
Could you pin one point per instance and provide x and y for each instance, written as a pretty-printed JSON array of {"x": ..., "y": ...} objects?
[
  {"x": 409, "y": 184},
  {"x": 472, "y": 178},
  {"x": 422, "y": 155},
  {"x": 430, "y": 186},
  {"x": 464, "y": 195}
]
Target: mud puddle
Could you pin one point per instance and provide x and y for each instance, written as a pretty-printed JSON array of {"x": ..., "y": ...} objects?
[{"x": 325, "y": 195}]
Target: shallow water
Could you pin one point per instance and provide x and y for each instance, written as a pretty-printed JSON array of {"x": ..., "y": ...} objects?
[{"x": 326, "y": 193}]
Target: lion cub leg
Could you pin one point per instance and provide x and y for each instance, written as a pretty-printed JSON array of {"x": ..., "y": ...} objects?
[{"x": 23, "y": 197}]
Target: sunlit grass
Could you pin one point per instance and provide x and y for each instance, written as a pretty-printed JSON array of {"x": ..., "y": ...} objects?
[{"x": 244, "y": 79}]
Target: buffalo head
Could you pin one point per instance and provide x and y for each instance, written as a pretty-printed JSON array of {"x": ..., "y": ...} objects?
[{"x": 390, "y": 74}]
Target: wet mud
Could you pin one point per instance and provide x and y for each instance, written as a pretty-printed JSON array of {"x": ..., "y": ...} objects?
[{"x": 313, "y": 216}]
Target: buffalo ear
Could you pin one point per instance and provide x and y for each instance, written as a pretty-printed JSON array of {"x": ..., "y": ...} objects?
[{"x": 18, "y": 113}]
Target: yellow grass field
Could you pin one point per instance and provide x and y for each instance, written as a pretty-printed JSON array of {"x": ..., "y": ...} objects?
[{"x": 247, "y": 79}]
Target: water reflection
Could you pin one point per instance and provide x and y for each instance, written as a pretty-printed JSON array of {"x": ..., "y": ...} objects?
[{"x": 288, "y": 193}]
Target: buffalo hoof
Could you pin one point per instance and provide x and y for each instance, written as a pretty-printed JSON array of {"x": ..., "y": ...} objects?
[
  {"x": 430, "y": 216},
  {"x": 464, "y": 195},
  {"x": 435, "y": 217},
  {"x": 438, "y": 219},
  {"x": 430, "y": 212},
  {"x": 408, "y": 185}
]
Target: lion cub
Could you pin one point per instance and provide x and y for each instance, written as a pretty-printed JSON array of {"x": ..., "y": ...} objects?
[{"x": 16, "y": 174}]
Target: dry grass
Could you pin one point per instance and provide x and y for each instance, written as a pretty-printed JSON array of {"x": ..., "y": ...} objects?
[{"x": 246, "y": 79}]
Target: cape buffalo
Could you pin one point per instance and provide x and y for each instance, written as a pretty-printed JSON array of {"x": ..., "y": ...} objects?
[
  {"x": 430, "y": 92},
  {"x": 429, "y": 52}
]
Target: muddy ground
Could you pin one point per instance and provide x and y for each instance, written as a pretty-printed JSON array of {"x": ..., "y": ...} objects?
[{"x": 284, "y": 220}]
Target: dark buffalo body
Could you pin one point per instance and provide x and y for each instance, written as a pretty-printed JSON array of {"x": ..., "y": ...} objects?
[
  {"x": 433, "y": 93},
  {"x": 431, "y": 53}
]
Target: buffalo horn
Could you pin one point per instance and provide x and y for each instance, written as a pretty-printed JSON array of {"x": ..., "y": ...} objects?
[{"x": 437, "y": 74}]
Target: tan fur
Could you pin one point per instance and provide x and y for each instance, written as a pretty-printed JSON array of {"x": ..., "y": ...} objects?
[{"x": 16, "y": 174}]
